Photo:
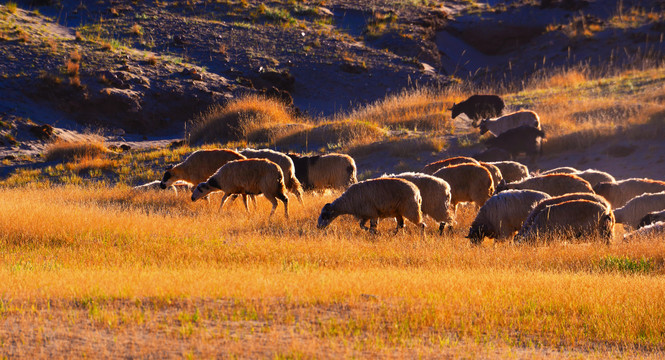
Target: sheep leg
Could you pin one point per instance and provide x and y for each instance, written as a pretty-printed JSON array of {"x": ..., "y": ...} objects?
[
  {"x": 226, "y": 196},
  {"x": 400, "y": 224},
  {"x": 362, "y": 224},
  {"x": 285, "y": 201},
  {"x": 372, "y": 226},
  {"x": 273, "y": 201},
  {"x": 244, "y": 201},
  {"x": 442, "y": 226}
]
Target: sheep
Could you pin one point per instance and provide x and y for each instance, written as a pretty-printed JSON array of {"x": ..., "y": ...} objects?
[
  {"x": 632, "y": 213},
  {"x": 284, "y": 162},
  {"x": 330, "y": 171},
  {"x": 374, "y": 199},
  {"x": 560, "y": 170},
  {"x": 594, "y": 177},
  {"x": 153, "y": 185},
  {"x": 468, "y": 183},
  {"x": 504, "y": 123},
  {"x": 493, "y": 154},
  {"x": 561, "y": 199},
  {"x": 198, "y": 166},
  {"x": 477, "y": 107},
  {"x": 553, "y": 184},
  {"x": 523, "y": 139},
  {"x": 247, "y": 177},
  {"x": 653, "y": 230},
  {"x": 512, "y": 171},
  {"x": 503, "y": 214},
  {"x": 620, "y": 192},
  {"x": 652, "y": 217},
  {"x": 435, "y": 194},
  {"x": 494, "y": 171},
  {"x": 433, "y": 167},
  {"x": 570, "y": 219}
]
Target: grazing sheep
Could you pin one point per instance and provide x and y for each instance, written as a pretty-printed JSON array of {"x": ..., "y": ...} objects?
[
  {"x": 374, "y": 199},
  {"x": 561, "y": 199},
  {"x": 435, "y": 194},
  {"x": 632, "y": 213},
  {"x": 494, "y": 171},
  {"x": 560, "y": 170},
  {"x": 595, "y": 177},
  {"x": 651, "y": 218},
  {"x": 431, "y": 168},
  {"x": 504, "y": 123},
  {"x": 478, "y": 107},
  {"x": 330, "y": 171},
  {"x": 198, "y": 166},
  {"x": 503, "y": 214},
  {"x": 153, "y": 185},
  {"x": 468, "y": 183},
  {"x": 570, "y": 220},
  {"x": 653, "y": 230},
  {"x": 553, "y": 184},
  {"x": 493, "y": 154},
  {"x": 284, "y": 162},
  {"x": 247, "y": 177},
  {"x": 620, "y": 192},
  {"x": 523, "y": 139},
  {"x": 512, "y": 171}
]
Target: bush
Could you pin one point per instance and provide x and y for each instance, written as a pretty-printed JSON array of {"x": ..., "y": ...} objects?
[{"x": 67, "y": 151}]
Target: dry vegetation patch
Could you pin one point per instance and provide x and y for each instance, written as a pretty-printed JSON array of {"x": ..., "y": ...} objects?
[{"x": 68, "y": 151}]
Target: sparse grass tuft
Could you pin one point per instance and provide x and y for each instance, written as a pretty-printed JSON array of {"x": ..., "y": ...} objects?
[
  {"x": 11, "y": 7},
  {"x": 68, "y": 151}
]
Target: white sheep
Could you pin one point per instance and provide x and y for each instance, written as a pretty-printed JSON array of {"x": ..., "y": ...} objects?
[
  {"x": 594, "y": 177},
  {"x": 329, "y": 171},
  {"x": 153, "y": 185},
  {"x": 499, "y": 125},
  {"x": 495, "y": 172},
  {"x": 561, "y": 199},
  {"x": 656, "y": 229},
  {"x": 435, "y": 193},
  {"x": 468, "y": 183},
  {"x": 433, "y": 167},
  {"x": 374, "y": 199},
  {"x": 284, "y": 162},
  {"x": 198, "y": 166},
  {"x": 553, "y": 184},
  {"x": 503, "y": 214},
  {"x": 247, "y": 177},
  {"x": 620, "y": 192},
  {"x": 512, "y": 171},
  {"x": 632, "y": 213},
  {"x": 570, "y": 220}
]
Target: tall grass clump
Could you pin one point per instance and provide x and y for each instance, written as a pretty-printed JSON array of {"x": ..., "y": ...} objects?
[
  {"x": 335, "y": 135},
  {"x": 68, "y": 151},
  {"x": 247, "y": 118}
]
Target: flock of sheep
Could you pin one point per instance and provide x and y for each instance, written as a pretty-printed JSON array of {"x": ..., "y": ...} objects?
[{"x": 510, "y": 201}]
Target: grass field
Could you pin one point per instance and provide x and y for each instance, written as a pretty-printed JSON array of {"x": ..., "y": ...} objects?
[{"x": 93, "y": 271}]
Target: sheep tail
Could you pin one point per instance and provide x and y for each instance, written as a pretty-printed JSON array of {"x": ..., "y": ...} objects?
[{"x": 295, "y": 187}]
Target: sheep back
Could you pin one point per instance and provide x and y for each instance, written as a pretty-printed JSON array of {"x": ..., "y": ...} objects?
[
  {"x": 251, "y": 177},
  {"x": 499, "y": 125},
  {"x": 331, "y": 171},
  {"x": 651, "y": 218},
  {"x": 553, "y": 184},
  {"x": 433, "y": 167},
  {"x": 560, "y": 170},
  {"x": 284, "y": 162},
  {"x": 652, "y": 230},
  {"x": 512, "y": 171},
  {"x": 468, "y": 183},
  {"x": 494, "y": 171},
  {"x": 594, "y": 177},
  {"x": 503, "y": 214}
]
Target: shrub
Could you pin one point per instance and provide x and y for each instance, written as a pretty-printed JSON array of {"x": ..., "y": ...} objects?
[{"x": 67, "y": 151}]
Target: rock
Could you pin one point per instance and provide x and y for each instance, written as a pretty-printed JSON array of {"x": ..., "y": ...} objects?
[
  {"x": 281, "y": 95},
  {"x": 43, "y": 132},
  {"x": 123, "y": 99},
  {"x": 125, "y": 147},
  {"x": 279, "y": 79}
]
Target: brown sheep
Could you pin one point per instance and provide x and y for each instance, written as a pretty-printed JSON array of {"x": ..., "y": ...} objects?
[
  {"x": 512, "y": 171},
  {"x": 284, "y": 162},
  {"x": 431, "y": 168},
  {"x": 198, "y": 166},
  {"x": 468, "y": 183},
  {"x": 247, "y": 177},
  {"x": 320, "y": 172},
  {"x": 570, "y": 220},
  {"x": 494, "y": 171},
  {"x": 375, "y": 199},
  {"x": 553, "y": 184}
]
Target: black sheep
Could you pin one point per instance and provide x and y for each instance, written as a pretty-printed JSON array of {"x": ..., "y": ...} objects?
[{"x": 478, "y": 107}]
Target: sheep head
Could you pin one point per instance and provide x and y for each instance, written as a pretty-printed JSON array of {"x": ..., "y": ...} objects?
[
  {"x": 167, "y": 179},
  {"x": 328, "y": 214},
  {"x": 477, "y": 233},
  {"x": 482, "y": 126},
  {"x": 201, "y": 191}
]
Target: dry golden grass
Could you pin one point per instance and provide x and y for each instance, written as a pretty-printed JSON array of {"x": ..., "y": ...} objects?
[
  {"x": 67, "y": 151},
  {"x": 179, "y": 278},
  {"x": 241, "y": 119}
]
